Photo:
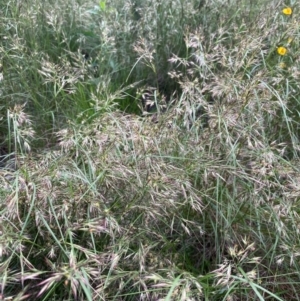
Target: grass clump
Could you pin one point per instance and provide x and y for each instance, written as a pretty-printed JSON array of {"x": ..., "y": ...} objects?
[{"x": 148, "y": 153}]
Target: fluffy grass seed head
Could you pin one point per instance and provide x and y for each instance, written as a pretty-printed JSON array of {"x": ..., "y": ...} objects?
[
  {"x": 281, "y": 50},
  {"x": 287, "y": 11},
  {"x": 282, "y": 65}
]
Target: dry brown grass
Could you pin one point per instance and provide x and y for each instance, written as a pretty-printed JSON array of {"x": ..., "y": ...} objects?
[{"x": 195, "y": 199}]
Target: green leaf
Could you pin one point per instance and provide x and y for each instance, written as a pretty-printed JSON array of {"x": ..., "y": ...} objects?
[{"x": 102, "y": 5}]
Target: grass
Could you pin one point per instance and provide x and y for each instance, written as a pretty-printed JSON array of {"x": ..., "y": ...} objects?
[{"x": 149, "y": 150}]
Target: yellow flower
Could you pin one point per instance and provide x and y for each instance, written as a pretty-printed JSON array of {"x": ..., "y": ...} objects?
[
  {"x": 290, "y": 40},
  {"x": 281, "y": 50},
  {"x": 287, "y": 11}
]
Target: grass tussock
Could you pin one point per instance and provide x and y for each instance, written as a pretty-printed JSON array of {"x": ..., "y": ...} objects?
[{"x": 149, "y": 150}]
